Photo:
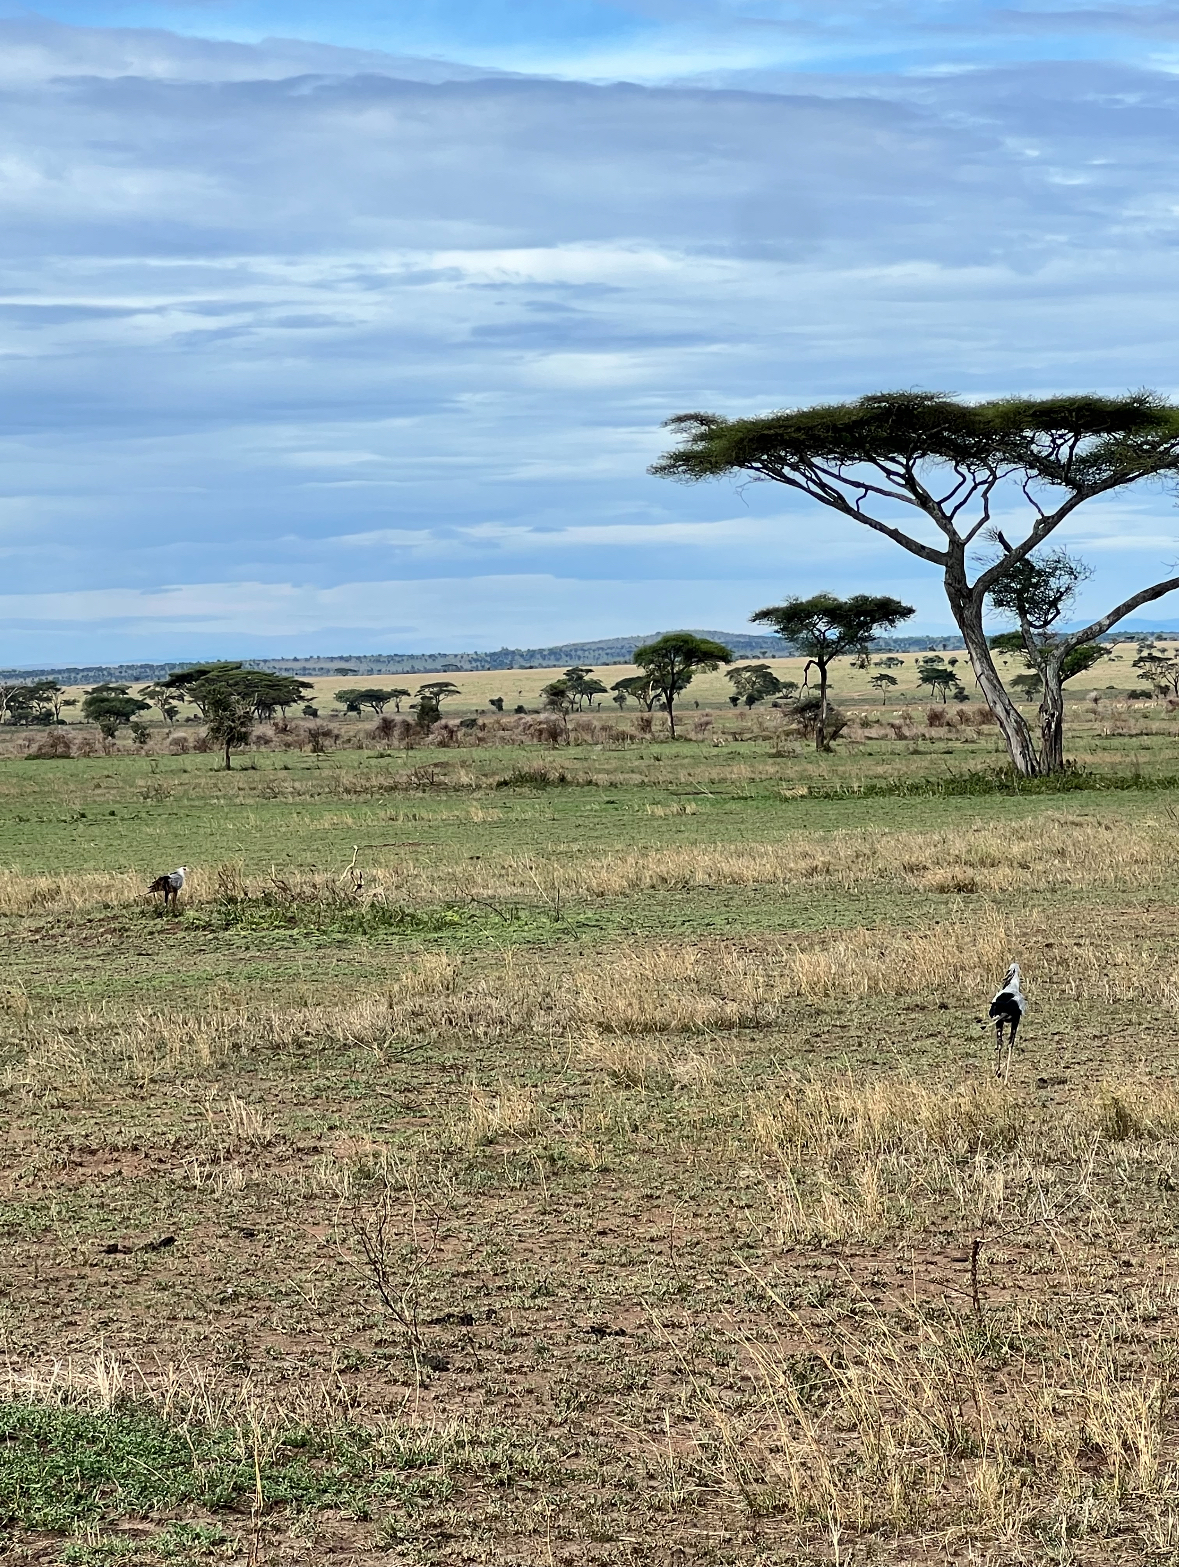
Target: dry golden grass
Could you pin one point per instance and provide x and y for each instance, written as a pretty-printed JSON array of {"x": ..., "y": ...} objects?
[
  {"x": 1055, "y": 851},
  {"x": 604, "y": 1004},
  {"x": 908, "y": 1427}
]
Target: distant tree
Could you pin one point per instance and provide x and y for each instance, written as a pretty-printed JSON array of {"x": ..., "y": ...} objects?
[
  {"x": 1162, "y": 671},
  {"x": 556, "y": 697},
  {"x": 581, "y": 687},
  {"x": 230, "y": 697},
  {"x": 673, "y": 660},
  {"x": 1035, "y": 593},
  {"x": 50, "y": 697},
  {"x": 160, "y": 696},
  {"x": 140, "y": 733},
  {"x": 824, "y": 628},
  {"x": 428, "y": 700},
  {"x": 889, "y": 663},
  {"x": 273, "y": 692},
  {"x": 883, "y": 683},
  {"x": 1029, "y": 686},
  {"x": 354, "y": 698},
  {"x": 110, "y": 707},
  {"x": 940, "y": 680},
  {"x": 753, "y": 683},
  {"x": 10, "y": 690},
  {"x": 193, "y": 683},
  {"x": 639, "y": 687},
  {"x": 40, "y": 702}
]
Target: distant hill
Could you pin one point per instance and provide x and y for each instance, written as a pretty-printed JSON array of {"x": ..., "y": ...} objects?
[{"x": 607, "y": 650}]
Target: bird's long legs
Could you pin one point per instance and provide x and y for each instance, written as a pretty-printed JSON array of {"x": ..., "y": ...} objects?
[{"x": 1003, "y": 1067}]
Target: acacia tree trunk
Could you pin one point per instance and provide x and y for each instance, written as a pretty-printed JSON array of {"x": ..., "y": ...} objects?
[
  {"x": 1052, "y": 718},
  {"x": 821, "y": 726},
  {"x": 967, "y": 609}
]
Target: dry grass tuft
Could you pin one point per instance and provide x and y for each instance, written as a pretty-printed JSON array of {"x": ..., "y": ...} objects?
[
  {"x": 912, "y": 1427},
  {"x": 495, "y": 1114}
]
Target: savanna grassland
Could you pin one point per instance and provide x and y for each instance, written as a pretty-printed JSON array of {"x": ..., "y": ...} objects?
[{"x": 520, "y": 1152}]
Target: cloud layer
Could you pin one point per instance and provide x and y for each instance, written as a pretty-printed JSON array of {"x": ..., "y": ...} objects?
[{"x": 382, "y": 346}]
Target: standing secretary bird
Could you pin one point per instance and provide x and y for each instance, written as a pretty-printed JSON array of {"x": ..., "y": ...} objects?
[
  {"x": 1008, "y": 1007},
  {"x": 170, "y": 885}
]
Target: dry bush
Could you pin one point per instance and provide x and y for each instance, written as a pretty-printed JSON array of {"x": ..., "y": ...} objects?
[
  {"x": 837, "y": 1116},
  {"x": 51, "y": 747},
  {"x": 956, "y": 957},
  {"x": 427, "y": 973},
  {"x": 73, "y": 1058},
  {"x": 938, "y": 717},
  {"x": 74, "y": 892},
  {"x": 493, "y": 1114},
  {"x": 237, "y": 1127},
  {"x": 670, "y": 989},
  {"x": 392, "y": 729},
  {"x": 864, "y": 1198},
  {"x": 1130, "y": 1111},
  {"x": 628, "y": 1062},
  {"x": 910, "y": 1427}
]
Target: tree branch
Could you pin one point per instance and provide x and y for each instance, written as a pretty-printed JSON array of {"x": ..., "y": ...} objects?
[
  {"x": 826, "y": 494},
  {"x": 1099, "y": 627}
]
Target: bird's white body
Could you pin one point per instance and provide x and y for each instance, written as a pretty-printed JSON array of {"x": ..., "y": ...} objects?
[{"x": 177, "y": 877}]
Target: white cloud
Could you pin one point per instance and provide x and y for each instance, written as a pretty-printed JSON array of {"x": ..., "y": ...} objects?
[{"x": 250, "y": 325}]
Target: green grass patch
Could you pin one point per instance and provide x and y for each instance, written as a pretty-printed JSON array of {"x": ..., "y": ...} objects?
[
  {"x": 1072, "y": 780},
  {"x": 64, "y": 1466}
]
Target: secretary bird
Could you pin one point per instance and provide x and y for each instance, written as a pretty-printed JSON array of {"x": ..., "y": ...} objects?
[
  {"x": 170, "y": 885},
  {"x": 1008, "y": 1007}
]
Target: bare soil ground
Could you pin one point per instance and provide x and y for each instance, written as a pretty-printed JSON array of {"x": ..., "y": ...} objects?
[{"x": 587, "y": 1185}]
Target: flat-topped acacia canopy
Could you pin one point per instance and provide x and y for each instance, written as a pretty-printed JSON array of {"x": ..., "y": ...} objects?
[{"x": 949, "y": 460}]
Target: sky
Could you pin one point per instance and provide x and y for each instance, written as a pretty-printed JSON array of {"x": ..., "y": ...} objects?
[{"x": 351, "y": 328}]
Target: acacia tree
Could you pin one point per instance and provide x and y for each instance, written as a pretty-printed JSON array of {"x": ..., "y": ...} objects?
[
  {"x": 228, "y": 696},
  {"x": 1036, "y": 592},
  {"x": 641, "y": 687},
  {"x": 939, "y": 679},
  {"x": 671, "y": 661},
  {"x": 377, "y": 697},
  {"x": 581, "y": 687},
  {"x": 824, "y": 628},
  {"x": 161, "y": 697},
  {"x": 893, "y": 456},
  {"x": 428, "y": 700},
  {"x": 883, "y": 684},
  {"x": 110, "y": 707},
  {"x": 753, "y": 683}
]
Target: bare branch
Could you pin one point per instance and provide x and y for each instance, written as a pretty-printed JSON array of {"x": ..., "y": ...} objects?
[{"x": 1099, "y": 627}]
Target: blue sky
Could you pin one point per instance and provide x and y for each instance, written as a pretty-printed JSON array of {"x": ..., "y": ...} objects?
[{"x": 351, "y": 328}]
